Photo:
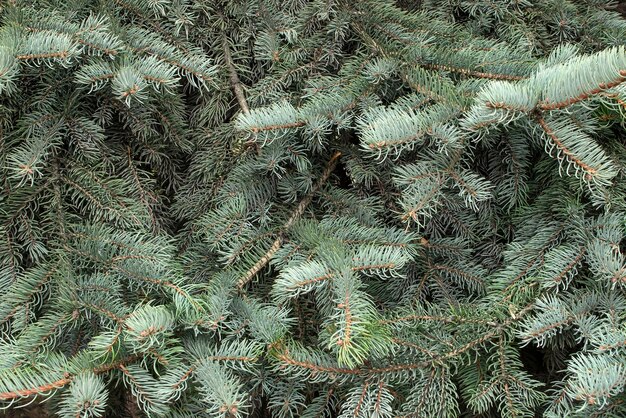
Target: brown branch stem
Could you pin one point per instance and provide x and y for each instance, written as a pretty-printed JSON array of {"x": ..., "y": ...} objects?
[{"x": 235, "y": 83}]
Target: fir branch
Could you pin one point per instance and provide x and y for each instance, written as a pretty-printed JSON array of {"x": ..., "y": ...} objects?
[
  {"x": 538, "y": 258},
  {"x": 414, "y": 346},
  {"x": 602, "y": 87},
  {"x": 295, "y": 215},
  {"x": 317, "y": 368},
  {"x": 117, "y": 364},
  {"x": 127, "y": 225},
  {"x": 453, "y": 319},
  {"x": 32, "y": 391},
  {"x": 296, "y": 124},
  {"x": 307, "y": 282},
  {"x": 473, "y": 73},
  {"x": 56, "y": 54},
  {"x": 589, "y": 171},
  {"x": 43, "y": 388}
]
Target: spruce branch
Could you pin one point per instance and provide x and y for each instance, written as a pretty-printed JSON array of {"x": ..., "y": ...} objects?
[
  {"x": 295, "y": 215},
  {"x": 473, "y": 73},
  {"x": 495, "y": 330},
  {"x": 590, "y": 171},
  {"x": 35, "y": 390},
  {"x": 601, "y": 88},
  {"x": 129, "y": 215},
  {"x": 42, "y": 387}
]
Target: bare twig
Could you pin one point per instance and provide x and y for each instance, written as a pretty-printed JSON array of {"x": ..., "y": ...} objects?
[{"x": 234, "y": 79}]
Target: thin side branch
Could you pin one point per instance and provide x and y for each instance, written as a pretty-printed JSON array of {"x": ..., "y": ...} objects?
[
  {"x": 67, "y": 378},
  {"x": 473, "y": 73},
  {"x": 547, "y": 105},
  {"x": 35, "y": 390},
  {"x": 570, "y": 156},
  {"x": 332, "y": 163}
]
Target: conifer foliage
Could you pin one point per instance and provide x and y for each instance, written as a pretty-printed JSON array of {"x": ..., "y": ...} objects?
[{"x": 313, "y": 208}]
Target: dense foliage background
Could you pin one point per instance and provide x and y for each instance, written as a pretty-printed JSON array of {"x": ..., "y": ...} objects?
[{"x": 313, "y": 208}]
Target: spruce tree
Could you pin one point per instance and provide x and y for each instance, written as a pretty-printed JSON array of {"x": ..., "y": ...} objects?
[{"x": 313, "y": 208}]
